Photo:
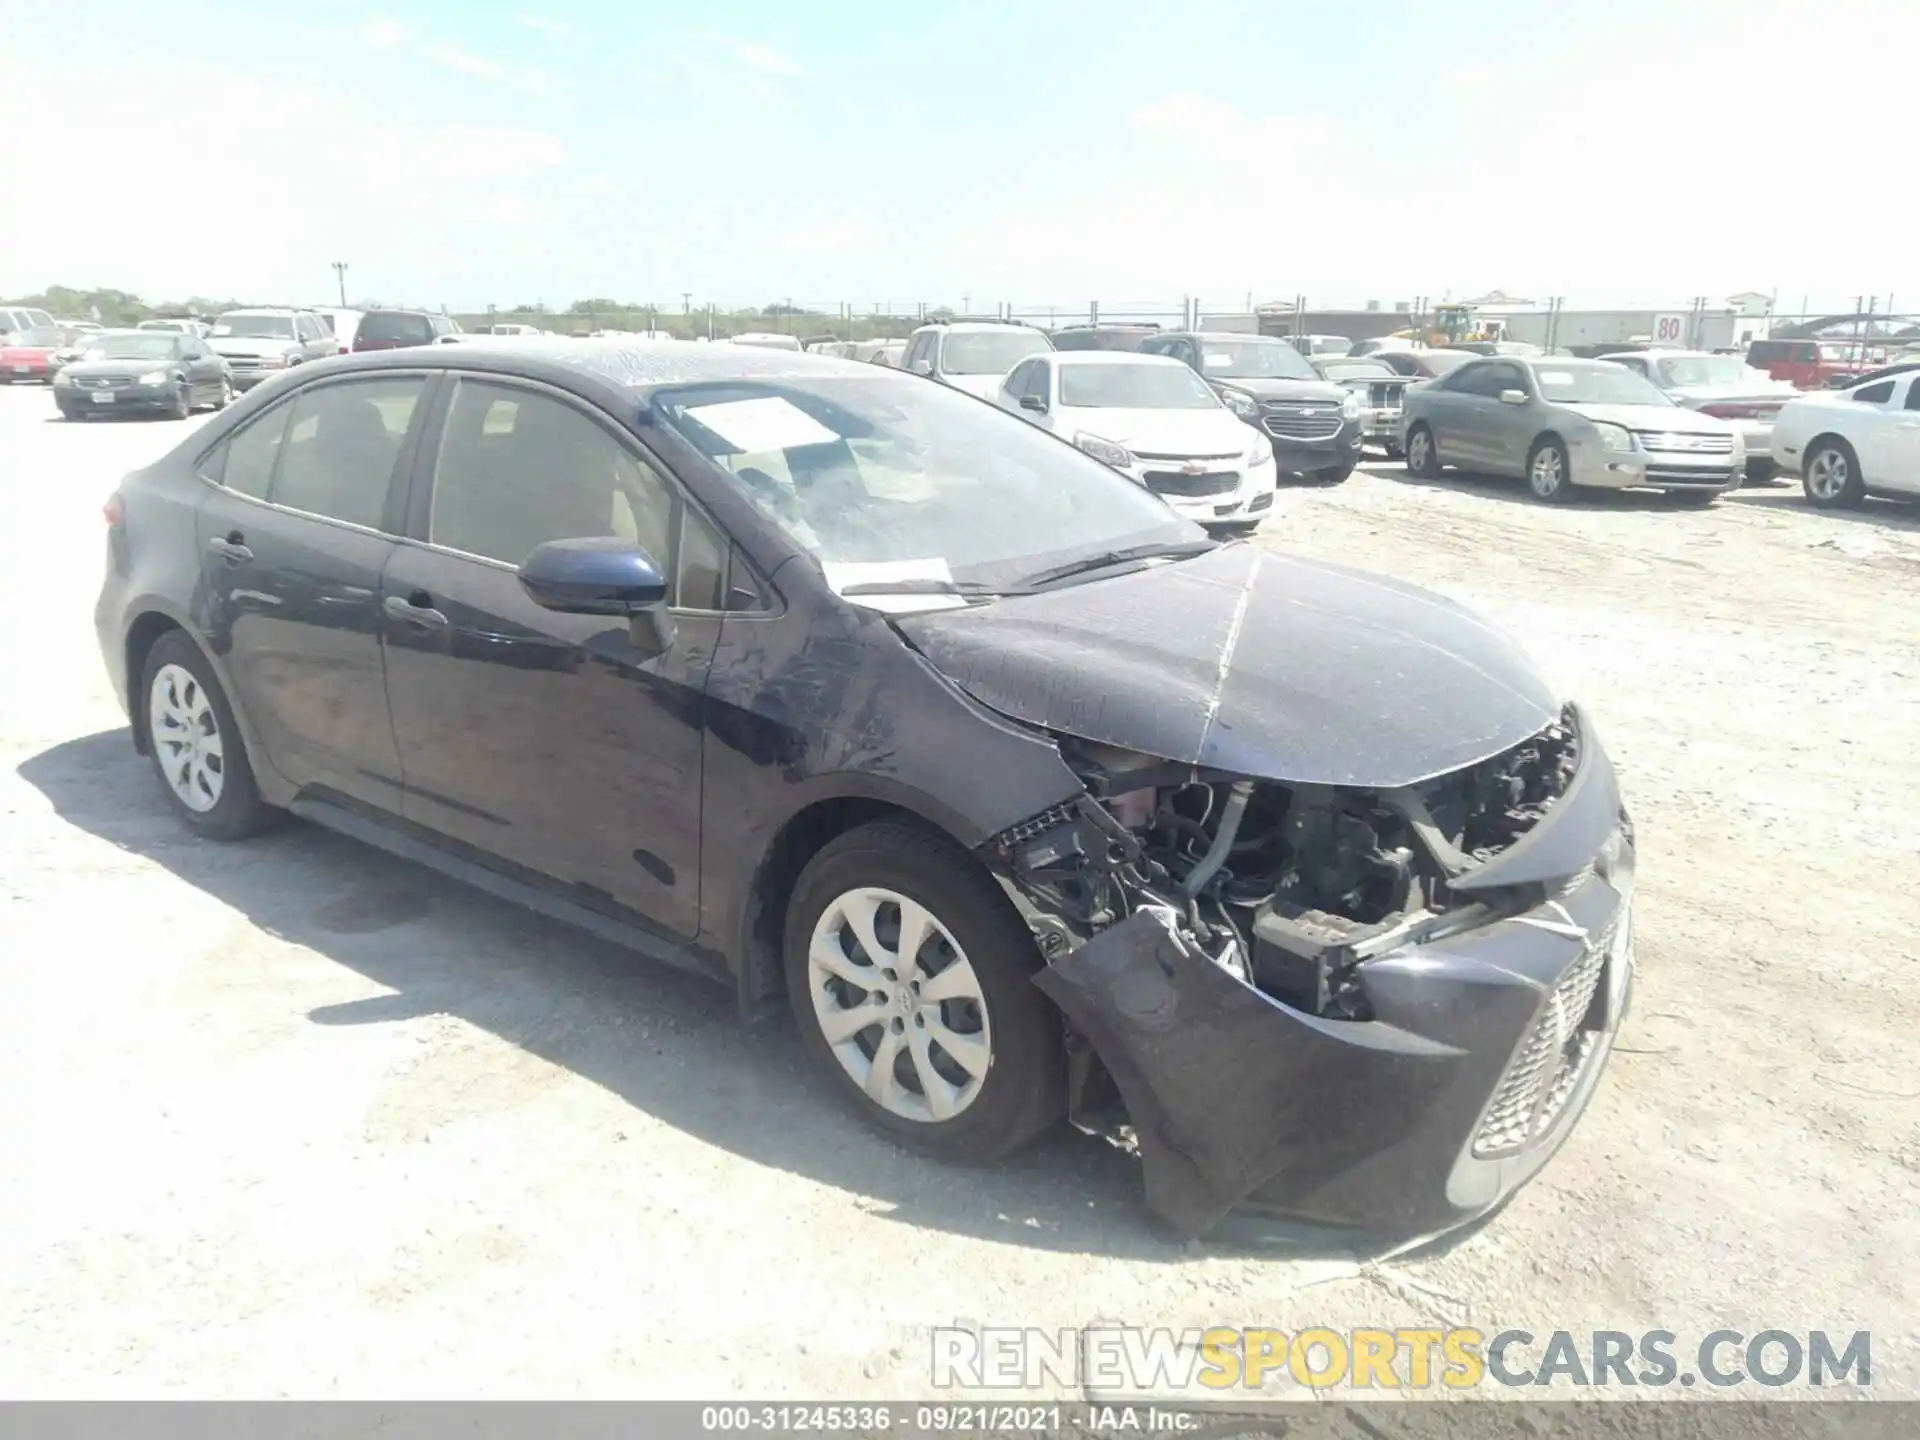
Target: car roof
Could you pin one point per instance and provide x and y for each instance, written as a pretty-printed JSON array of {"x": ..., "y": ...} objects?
[
  {"x": 970, "y": 325},
  {"x": 1228, "y": 335},
  {"x": 266, "y": 310},
  {"x": 630, "y": 363},
  {"x": 1113, "y": 357}
]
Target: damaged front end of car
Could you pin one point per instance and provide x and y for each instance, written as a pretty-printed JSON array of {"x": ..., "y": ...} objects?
[{"x": 1374, "y": 1007}]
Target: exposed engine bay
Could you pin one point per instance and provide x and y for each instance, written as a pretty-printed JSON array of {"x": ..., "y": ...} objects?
[{"x": 1289, "y": 888}]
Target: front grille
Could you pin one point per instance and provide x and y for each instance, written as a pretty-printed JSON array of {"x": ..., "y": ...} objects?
[
  {"x": 1182, "y": 459},
  {"x": 1172, "y": 482},
  {"x": 1550, "y": 1061},
  {"x": 1322, "y": 426},
  {"x": 1385, "y": 395},
  {"x": 1686, "y": 444},
  {"x": 105, "y": 382}
]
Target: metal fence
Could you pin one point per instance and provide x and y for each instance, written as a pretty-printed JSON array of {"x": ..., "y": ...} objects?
[{"x": 1870, "y": 325}]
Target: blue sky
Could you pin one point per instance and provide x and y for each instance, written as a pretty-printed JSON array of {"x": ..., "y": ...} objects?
[{"x": 1032, "y": 152}]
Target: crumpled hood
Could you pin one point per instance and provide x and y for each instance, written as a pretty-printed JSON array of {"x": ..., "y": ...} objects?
[
  {"x": 1252, "y": 662},
  {"x": 1668, "y": 419}
]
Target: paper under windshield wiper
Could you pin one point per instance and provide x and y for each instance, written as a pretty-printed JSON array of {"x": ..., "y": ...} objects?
[
  {"x": 924, "y": 585},
  {"x": 1174, "y": 550}
]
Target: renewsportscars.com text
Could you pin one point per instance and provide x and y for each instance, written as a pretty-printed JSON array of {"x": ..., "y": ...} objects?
[{"x": 1126, "y": 1359}]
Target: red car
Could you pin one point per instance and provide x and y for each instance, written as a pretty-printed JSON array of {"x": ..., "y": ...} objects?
[
  {"x": 1808, "y": 364},
  {"x": 28, "y": 356}
]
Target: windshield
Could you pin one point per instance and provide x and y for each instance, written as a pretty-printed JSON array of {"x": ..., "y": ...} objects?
[
  {"x": 1367, "y": 371},
  {"x": 256, "y": 327},
  {"x": 1145, "y": 386},
  {"x": 174, "y": 326},
  {"x": 890, "y": 479},
  {"x": 1602, "y": 384},
  {"x": 41, "y": 335},
  {"x": 1254, "y": 360},
  {"x": 988, "y": 352},
  {"x": 153, "y": 345},
  {"x": 1708, "y": 370}
]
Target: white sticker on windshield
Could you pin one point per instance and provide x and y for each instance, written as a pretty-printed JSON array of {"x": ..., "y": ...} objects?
[
  {"x": 1216, "y": 359},
  {"x": 842, "y": 573},
  {"x": 1556, "y": 377},
  {"x": 756, "y": 426}
]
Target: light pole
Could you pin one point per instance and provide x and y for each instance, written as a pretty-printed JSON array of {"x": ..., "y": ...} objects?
[
  {"x": 686, "y": 302},
  {"x": 340, "y": 274}
]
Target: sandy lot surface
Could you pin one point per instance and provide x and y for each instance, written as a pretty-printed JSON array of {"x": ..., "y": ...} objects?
[{"x": 289, "y": 1118}]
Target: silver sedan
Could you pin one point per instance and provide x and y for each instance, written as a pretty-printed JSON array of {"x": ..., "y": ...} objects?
[{"x": 1558, "y": 423}]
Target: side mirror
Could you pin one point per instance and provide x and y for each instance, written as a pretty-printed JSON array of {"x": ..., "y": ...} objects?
[
  {"x": 602, "y": 575},
  {"x": 1513, "y": 397},
  {"x": 1034, "y": 402},
  {"x": 923, "y": 367}
]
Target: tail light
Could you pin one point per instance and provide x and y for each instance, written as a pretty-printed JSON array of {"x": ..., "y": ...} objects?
[{"x": 113, "y": 511}]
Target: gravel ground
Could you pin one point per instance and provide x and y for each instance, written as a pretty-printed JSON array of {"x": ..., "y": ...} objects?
[{"x": 290, "y": 1118}]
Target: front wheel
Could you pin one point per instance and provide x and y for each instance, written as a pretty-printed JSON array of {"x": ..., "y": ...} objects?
[
  {"x": 911, "y": 978},
  {"x": 1333, "y": 474},
  {"x": 1831, "y": 476},
  {"x": 182, "y": 405},
  {"x": 1423, "y": 458},
  {"x": 1547, "y": 471}
]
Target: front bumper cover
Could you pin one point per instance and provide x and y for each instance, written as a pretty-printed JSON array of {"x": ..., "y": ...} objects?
[{"x": 1483, "y": 1049}]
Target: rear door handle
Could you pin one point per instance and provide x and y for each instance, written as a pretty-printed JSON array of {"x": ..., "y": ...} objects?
[
  {"x": 229, "y": 548},
  {"x": 422, "y": 613}
]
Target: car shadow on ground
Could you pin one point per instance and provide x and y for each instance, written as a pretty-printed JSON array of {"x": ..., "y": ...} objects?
[
  {"x": 1894, "y": 514},
  {"x": 668, "y": 1044}
]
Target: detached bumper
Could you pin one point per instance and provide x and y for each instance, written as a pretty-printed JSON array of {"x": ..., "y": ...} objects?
[{"x": 1483, "y": 1050}]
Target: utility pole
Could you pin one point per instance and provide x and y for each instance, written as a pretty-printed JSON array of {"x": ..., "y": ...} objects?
[{"x": 340, "y": 274}]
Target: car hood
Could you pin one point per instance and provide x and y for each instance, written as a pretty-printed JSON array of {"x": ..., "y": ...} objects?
[
  {"x": 985, "y": 386},
  {"x": 1670, "y": 419},
  {"x": 1256, "y": 663},
  {"x": 250, "y": 345},
  {"x": 1281, "y": 389},
  {"x": 1212, "y": 431},
  {"x": 92, "y": 369}
]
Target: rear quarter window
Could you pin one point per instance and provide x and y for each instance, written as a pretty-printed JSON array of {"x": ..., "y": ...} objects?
[{"x": 387, "y": 325}]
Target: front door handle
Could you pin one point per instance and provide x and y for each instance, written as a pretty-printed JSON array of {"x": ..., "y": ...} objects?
[
  {"x": 416, "y": 609},
  {"x": 230, "y": 548}
]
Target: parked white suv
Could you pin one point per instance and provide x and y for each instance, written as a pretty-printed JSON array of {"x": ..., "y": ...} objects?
[
  {"x": 1151, "y": 418},
  {"x": 260, "y": 344},
  {"x": 972, "y": 355}
]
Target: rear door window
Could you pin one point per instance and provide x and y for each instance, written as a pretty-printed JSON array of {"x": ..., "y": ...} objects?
[{"x": 341, "y": 444}]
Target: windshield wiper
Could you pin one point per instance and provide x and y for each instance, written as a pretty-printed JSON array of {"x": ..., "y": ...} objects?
[{"x": 1086, "y": 564}]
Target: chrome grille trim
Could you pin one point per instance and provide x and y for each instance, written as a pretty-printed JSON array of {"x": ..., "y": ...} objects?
[{"x": 1682, "y": 444}]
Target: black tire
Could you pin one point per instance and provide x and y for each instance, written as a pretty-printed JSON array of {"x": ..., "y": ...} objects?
[
  {"x": 1333, "y": 474},
  {"x": 239, "y": 811},
  {"x": 1423, "y": 456},
  {"x": 1557, "y": 491},
  {"x": 1761, "y": 472},
  {"x": 182, "y": 405},
  {"x": 1024, "y": 1091},
  {"x": 1832, "y": 455},
  {"x": 66, "y": 414},
  {"x": 225, "y": 397},
  {"x": 1695, "y": 499}
]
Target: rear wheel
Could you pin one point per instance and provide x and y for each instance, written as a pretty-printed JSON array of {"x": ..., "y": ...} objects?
[
  {"x": 1423, "y": 459},
  {"x": 1547, "y": 471},
  {"x": 1831, "y": 475},
  {"x": 196, "y": 745},
  {"x": 910, "y": 976}
]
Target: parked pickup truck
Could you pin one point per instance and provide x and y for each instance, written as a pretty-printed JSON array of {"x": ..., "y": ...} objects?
[{"x": 1380, "y": 388}]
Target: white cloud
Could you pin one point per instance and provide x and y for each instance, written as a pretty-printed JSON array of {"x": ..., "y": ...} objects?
[
  {"x": 559, "y": 29},
  {"x": 463, "y": 61},
  {"x": 763, "y": 59},
  {"x": 381, "y": 33}
]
